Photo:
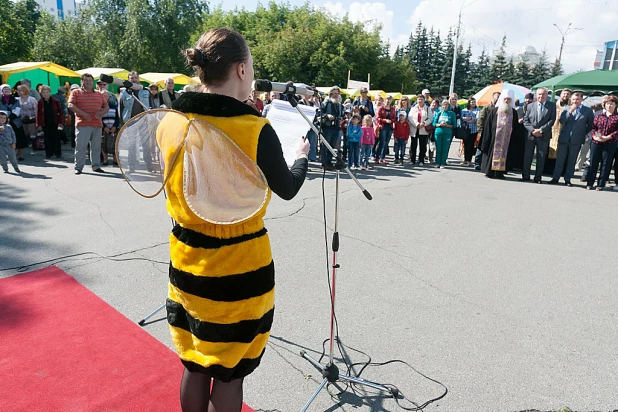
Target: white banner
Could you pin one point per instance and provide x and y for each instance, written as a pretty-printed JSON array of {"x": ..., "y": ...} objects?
[
  {"x": 354, "y": 84},
  {"x": 289, "y": 125}
]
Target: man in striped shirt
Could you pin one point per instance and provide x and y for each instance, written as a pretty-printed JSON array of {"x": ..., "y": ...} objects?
[{"x": 89, "y": 107}]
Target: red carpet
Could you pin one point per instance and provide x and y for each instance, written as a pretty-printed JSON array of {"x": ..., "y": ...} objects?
[{"x": 62, "y": 348}]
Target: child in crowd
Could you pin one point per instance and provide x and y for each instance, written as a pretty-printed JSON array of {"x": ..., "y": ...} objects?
[
  {"x": 401, "y": 132},
  {"x": 368, "y": 139},
  {"x": 355, "y": 132},
  {"x": 7, "y": 144}
]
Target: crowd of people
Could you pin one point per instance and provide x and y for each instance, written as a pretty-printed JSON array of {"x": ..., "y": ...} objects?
[
  {"x": 502, "y": 137},
  {"x": 85, "y": 116},
  {"x": 498, "y": 139}
]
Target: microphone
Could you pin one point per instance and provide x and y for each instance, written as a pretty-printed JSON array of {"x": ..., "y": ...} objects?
[
  {"x": 129, "y": 85},
  {"x": 284, "y": 88}
]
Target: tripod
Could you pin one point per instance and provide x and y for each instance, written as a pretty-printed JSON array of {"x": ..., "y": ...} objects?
[{"x": 330, "y": 372}]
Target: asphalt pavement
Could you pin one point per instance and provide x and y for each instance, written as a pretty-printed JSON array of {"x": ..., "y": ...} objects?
[{"x": 503, "y": 291}]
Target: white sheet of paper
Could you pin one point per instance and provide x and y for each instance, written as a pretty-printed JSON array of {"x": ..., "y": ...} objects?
[{"x": 289, "y": 125}]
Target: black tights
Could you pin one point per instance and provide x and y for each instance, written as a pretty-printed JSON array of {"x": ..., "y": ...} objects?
[{"x": 196, "y": 395}]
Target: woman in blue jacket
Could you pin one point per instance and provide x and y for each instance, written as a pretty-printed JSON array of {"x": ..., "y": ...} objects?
[{"x": 444, "y": 120}]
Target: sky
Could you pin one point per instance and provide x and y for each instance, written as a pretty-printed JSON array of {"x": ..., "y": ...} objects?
[{"x": 485, "y": 22}]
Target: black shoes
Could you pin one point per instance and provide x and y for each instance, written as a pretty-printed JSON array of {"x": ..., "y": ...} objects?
[
  {"x": 78, "y": 172},
  {"x": 538, "y": 181},
  {"x": 98, "y": 170},
  {"x": 568, "y": 183},
  {"x": 524, "y": 179},
  {"x": 553, "y": 182}
]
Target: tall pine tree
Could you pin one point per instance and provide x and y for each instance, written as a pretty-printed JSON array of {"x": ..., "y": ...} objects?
[
  {"x": 541, "y": 70},
  {"x": 483, "y": 70},
  {"x": 448, "y": 48},
  {"x": 523, "y": 74},
  {"x": 556, "y": 69},
  {"x": 499, "y": 66}
]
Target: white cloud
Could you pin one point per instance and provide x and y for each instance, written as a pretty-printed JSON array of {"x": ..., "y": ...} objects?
[
  {"x": 373, "y": 14},
  {"x": 484, "y": 22}
]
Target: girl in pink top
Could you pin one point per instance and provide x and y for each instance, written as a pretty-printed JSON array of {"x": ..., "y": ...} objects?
[{"x": 367, "y": 141}]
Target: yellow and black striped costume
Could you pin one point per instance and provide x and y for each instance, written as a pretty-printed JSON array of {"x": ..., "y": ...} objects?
[{"x": 221, "y": 293}]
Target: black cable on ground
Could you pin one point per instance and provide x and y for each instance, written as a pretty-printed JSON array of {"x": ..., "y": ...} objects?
[
  {"x": 76, "y": 256},
  {"x": 394, "y": 390}
]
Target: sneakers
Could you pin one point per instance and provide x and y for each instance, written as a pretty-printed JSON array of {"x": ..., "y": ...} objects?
[{"x": 77, "y": 172}]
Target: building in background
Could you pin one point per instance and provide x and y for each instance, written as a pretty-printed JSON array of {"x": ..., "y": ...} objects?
[
  {"x": 527, "y": 54},
  {"x": 58, "y": 8},
  {"x": 607, "y": 59}
]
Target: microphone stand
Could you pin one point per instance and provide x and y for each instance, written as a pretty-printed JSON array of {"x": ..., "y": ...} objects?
[{"x": 330, "y": 372}]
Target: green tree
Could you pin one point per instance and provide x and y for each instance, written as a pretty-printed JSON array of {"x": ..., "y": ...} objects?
[
  {"x": 510, "y": 75},
  {"x": 444, "y": 80},
  {"x": 17, "y": 29},
  {"x": 462, "y": 70},
  {"x": 499, "y": 66},
  {"x": 482, "y": 71},
  {"x": 435, "y": 63},
  {"x": 556, "y": 69},
  {"x": 523, "y": 74},
  {"x": 65, "y": 42},
  {"x": 541, "y": 71}
]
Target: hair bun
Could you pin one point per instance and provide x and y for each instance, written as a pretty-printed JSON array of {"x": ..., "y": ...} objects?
[{"x": 195, "y": 57}]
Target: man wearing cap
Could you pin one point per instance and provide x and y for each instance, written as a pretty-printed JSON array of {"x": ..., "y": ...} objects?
[
  {"x": 332, "y": 114},
  {"x": 103, "y": 87},
  {"x": 364, "y": 104}
]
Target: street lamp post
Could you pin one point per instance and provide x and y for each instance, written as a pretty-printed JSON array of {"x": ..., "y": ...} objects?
[
  {"x": 451, "y": 88},
  {"x": 564, "y": 34}
]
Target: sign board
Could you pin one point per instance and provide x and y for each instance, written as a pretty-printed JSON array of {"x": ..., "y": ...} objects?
[{"x": 354, "y": 84}]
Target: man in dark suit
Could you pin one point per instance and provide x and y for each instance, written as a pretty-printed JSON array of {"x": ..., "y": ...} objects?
[
  {"x": 576, "y": 123},
  {"x": 538, "y": 121}
]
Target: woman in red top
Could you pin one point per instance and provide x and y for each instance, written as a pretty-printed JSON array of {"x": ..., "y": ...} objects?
[
  {"x": 386, "y": 120},
  {"x": 603, "y": 143},
  {"x": 50, "y": 120}
]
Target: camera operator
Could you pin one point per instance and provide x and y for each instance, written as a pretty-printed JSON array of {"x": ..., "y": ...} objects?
[
  {"x": 364, "y": 103},
  {"x": 332, "y": 114},
  {"x": 311, "y": 136},
  {"x": 132, "y": 103}
]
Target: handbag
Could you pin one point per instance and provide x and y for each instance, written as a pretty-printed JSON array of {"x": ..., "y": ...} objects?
[
  {"x": 462, "y": 132},
  {"x": 28, "y": 120},
  {"x": 109, "y": 143}
]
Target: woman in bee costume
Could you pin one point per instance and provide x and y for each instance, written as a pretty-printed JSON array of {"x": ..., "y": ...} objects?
[{"x": 221, "y": 291}]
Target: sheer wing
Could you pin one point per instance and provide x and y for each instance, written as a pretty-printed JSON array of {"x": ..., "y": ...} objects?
[
  {"x": 221, "y": 184},
  {"x": 139, "y": 153}
]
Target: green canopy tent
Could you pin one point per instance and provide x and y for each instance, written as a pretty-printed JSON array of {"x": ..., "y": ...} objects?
[
  {"x": 48, "y": 73},
  {"x": 590, "y": 82}
]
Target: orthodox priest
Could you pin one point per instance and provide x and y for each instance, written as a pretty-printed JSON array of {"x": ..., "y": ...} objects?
[{"x": 499, "y": 127}]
